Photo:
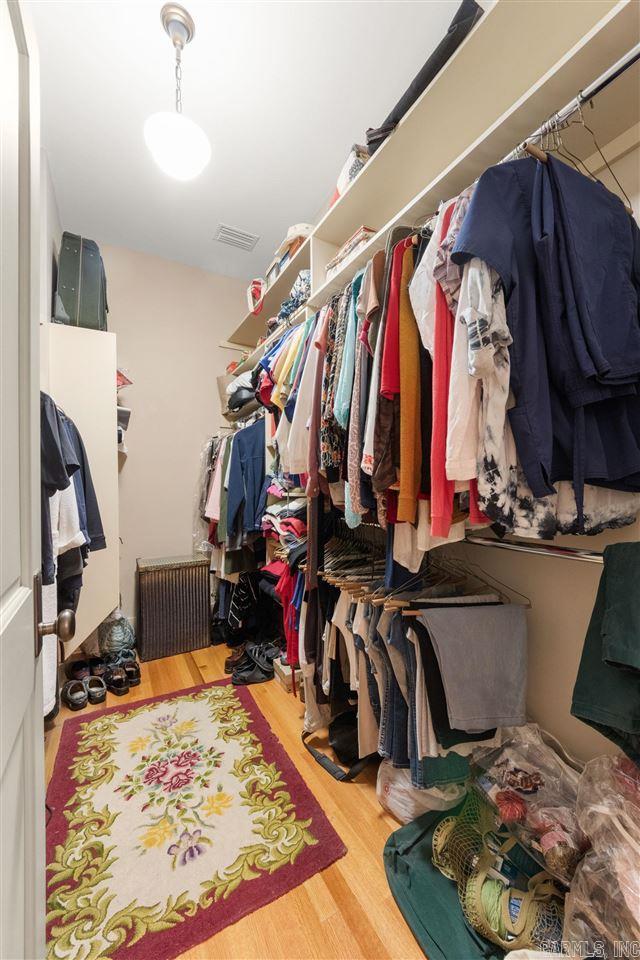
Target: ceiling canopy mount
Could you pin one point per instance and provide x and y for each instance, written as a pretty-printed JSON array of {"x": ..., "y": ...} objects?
[{"x": 178, "y": 24}]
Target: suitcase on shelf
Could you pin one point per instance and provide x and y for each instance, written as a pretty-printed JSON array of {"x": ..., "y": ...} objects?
[{"x": 81, "y": 290}]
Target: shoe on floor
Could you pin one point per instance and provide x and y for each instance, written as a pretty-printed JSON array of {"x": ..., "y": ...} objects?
[
  {"x": 96, "y": 689},
  {"x": 132, "y": 670},
  {"x": 97, "y": 667},
  {"x": 271, "y": 650},
  {"x": 254, "y": 667},
  {"x": 117, "y": 681},
  {"x": 74, "y": 694},
  {"x": 261, "y": 654},
  {"x": 251, "y": 673},
  {"x": 234, "y": 659},
  {"x": 78, "y": 669}
]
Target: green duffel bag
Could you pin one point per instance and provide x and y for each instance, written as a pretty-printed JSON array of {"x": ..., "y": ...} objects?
[
  {"x": 81, "y": 290},
  {"x": 427, "y": 900}
]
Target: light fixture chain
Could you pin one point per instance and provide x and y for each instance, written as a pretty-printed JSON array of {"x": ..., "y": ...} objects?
[{"x": 178, "y": 80}]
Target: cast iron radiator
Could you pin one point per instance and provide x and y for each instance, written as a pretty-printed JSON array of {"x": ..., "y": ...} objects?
[{"x": 173, "y": 606}]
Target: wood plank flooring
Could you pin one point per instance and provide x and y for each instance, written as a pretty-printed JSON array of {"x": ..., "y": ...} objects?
[{"x": 345, "y": 912}]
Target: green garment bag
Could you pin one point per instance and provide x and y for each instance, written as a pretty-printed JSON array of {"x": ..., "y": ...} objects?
[{"x": 81, "y": 290}]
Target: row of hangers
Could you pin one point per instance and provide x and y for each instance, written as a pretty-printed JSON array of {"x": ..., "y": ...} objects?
[
  {"x": 357, "y": 564},
  {"x": 551, "y": 142}
]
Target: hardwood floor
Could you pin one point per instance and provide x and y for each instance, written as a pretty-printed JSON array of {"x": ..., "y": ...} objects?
[{"x": 346, "y": 911}]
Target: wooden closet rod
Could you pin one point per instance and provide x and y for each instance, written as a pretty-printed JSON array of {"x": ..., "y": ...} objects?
[{"x": 542, "y": 550}]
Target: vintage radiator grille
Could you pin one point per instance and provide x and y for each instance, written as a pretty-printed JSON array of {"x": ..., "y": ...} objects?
[{"x": 173, "y": 606}]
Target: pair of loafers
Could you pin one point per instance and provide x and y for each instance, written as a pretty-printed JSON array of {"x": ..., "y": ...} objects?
[
  {"x": 83, "y": 669},
  {"x": 120, "y": 677},
  {"x": 78, "y": 693}
]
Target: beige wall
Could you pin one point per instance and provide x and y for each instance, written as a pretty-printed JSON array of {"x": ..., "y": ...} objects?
[
  {"x": 169, "y": 320},
  {"x": 562, "y": 593}
]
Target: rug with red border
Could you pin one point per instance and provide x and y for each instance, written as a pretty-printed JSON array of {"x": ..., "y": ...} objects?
[{"x": 172, "y": 818}]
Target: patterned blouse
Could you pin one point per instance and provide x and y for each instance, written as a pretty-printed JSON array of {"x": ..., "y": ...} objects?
[{"x": 331, "y": 433}]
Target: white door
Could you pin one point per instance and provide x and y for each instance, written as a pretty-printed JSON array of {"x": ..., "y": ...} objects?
[{"x": 22, "y": 809}]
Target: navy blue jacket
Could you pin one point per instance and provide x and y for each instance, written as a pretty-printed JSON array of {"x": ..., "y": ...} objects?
[{"x": 247, "y": 494}]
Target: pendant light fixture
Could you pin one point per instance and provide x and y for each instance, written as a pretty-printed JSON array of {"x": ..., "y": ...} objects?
[{"x": 178, "y": 145}]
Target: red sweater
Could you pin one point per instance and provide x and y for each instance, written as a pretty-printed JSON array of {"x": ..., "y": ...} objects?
[{"x": 390, "y": 368}]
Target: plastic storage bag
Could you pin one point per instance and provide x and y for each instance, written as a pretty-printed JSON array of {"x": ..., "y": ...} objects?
[
  {"x": 115, "y": 633},
  {"x": 402, "y": 800},
  {"x": 603, "y": 904},
  {"x": 534, "y": 791},
  {"x": 200, "y": 524}
]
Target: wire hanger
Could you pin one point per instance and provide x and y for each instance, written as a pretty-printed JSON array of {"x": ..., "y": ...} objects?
[
  {"x": 581, "y": 120},
  {"x": 539, "y": 154},
  {"x": 473, "y": 571},
  {"x": 425, "y": 227},
  {"x": 489, "y": 578},
  {"x": 555, "y": 143}
]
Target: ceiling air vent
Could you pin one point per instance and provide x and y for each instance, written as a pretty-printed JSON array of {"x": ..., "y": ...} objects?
[{"x": 235, "y": 237}]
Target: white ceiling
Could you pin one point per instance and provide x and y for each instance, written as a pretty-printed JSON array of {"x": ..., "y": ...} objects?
[{"x": 282, "y": 89}]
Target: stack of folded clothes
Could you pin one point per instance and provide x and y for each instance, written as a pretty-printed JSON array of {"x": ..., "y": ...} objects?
[{"x": 286, "y": 521}]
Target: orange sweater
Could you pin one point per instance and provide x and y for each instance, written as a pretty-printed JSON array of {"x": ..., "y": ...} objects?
[{"x": 410, "y": 440}]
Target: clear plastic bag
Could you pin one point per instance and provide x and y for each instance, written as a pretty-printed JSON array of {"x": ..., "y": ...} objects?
[
  {"x": 115, "y": 633},
  {"x": 603, "y": 904},
  {"x": 535, "y": 793},
  {"x": 397, "y": 795},
  {"x": 200, "y": 530}
]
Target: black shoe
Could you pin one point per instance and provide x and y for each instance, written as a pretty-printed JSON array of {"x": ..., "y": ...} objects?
[
  {"x": 262, "y": 654},
  {"x": 253, "y": 673},
  {"x": 271, "y": 650}
]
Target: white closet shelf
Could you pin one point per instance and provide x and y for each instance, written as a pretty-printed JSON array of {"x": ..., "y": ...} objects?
[
  {"x": 509, "y": 49},
  {"x": 585, "y": 62},
  {"x": 348, "y": 270},
  {"x": 257, "y": 353},
  {"x": 528, "y": 59},
  {"x": 253, "y": 325},
  {"x": 232, "y": 416}
]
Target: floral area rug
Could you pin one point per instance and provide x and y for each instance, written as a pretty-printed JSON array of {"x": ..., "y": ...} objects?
[{"x": 172, "y": 818}]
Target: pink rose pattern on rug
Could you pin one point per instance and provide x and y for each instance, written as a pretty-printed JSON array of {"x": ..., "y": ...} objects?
[
  {"x": 174, "y": 758},
  {"x": 173, "y": 818}
]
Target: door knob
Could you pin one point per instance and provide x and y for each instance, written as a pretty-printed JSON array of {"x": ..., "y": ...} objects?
[{"x": 64, "y": 626}]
